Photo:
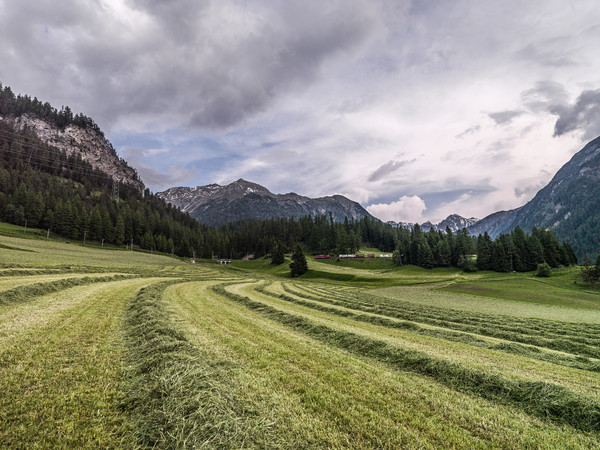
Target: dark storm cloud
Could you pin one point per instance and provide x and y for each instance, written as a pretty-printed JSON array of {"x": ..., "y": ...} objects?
[
  {"x": 210, "y": 64},
  {"x": 386, "y": 169},
  {"x": 504, "y": 117},
  {"x": 583, "y": 115}
]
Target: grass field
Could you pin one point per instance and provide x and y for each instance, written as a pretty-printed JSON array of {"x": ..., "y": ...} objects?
[{"x": 117, "y": 349}]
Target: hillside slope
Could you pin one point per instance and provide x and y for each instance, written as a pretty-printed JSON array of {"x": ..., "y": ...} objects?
[{"x": 570, "y": 204}]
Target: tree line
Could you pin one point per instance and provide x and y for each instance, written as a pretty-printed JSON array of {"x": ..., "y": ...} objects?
[
  {"x": 17, "y": 105},
  {"x": 516, "y": 251}
]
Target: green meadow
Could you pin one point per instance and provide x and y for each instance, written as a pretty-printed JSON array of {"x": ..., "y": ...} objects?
[{"x": 112, "y": 348}]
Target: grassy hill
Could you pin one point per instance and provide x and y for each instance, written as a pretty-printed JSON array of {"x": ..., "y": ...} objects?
[{"x": 112, "y": 348}]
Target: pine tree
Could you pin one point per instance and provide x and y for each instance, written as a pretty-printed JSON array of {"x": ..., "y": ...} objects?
[
  {"x": 298, "y": 266},
  {"x": 425, "y": 257},
  {"x": 499, "y": 259},
  {"x": 484, "y": 252},
  {"x": 119, "y": 237},
  {"x": 277, "y": 256}
]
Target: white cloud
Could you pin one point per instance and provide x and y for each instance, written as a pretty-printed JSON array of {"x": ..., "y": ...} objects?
[{"x": 406, "y": 209}]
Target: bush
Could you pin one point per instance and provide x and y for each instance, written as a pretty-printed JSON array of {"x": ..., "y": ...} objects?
[
  {"x": 469, "y": 265},
  {"x": 543, "y": 270}
]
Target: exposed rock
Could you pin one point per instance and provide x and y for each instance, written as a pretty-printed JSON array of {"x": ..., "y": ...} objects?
[{"x": 90, "y": 144}]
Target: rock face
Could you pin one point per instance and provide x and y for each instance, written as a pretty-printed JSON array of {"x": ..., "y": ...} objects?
[
  {"x": 494, "y": 224},
  {"x": 89, "y": 143},
  {"x": 214, "y": 204},
  {"x": 453, "y": 221},
  {"x": 570, "y": 204}
]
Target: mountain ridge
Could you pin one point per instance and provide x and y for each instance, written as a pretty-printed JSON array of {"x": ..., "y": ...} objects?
[
  {"x": 454, "y": 222},
  {"x": 214, "y": 204}
]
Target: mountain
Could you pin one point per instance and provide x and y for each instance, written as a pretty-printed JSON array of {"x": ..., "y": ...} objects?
[
  {"x": 73, "y": 134},
  {"x": 570, "y": 204},
  {"x": 214, "y": 204},
  {"x": 453, "y": 221}
]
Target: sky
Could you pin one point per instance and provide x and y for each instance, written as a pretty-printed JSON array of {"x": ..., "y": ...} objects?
[{"x": 415, "y": 109}]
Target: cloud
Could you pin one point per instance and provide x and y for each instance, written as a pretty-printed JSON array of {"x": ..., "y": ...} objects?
[
  {"x": 469, "y": 131},
  {"x": 406, "y": 209},
  {"x": 545, "y": 57},
  {"x": 210, "y": 65},
  {"x": 386, "y": 169},
  {"x": 528, "y": 191},
  {"x": 583, "y": 115},
  {"x": 504, "y": 117},
  {"x": 544, "y": 94},
  {"x": 174, "y": 175}
]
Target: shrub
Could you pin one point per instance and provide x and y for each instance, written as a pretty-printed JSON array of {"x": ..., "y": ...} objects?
[{"x": 543, "y": 270}]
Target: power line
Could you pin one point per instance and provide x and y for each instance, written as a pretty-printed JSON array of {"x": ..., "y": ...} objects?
[{"x": 17, "y": 138}]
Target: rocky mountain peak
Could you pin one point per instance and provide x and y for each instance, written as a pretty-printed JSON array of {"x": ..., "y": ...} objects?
[{"x": 214, "y": 204}]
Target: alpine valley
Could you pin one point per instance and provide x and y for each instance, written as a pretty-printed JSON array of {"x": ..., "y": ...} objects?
[{"x": 62, "y": 144}]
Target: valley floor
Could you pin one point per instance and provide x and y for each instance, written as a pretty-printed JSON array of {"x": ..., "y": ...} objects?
[{"x": 117, "y": 349}]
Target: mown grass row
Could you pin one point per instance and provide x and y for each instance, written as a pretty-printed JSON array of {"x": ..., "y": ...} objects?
[
  {"x": 362, "y": 301},
  {"x": 175, "y": 398},
  {"x": 541, "y": 399},
  {"x": 500, "y": 321},
  {"x": 31, "y": 291},
  {"x": 474, "y": 318},
  {"x": 507, "y": 347},
  {"x": 524, "y": 331}
]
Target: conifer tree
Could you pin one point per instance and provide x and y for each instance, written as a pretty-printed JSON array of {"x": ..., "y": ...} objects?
[
  {"x": 484, "y": 252},
  {"x": 298, "y": 266},
  {"x": 277, "y": 256}
]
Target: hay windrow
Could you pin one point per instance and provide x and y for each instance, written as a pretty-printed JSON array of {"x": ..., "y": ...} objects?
[
  {"x": 509, "y": 347},
  {"x": 31, "y": 291},
  {"x": 176, "y": 399},
  {"x": 577, "y": 339},
  {"x": 540, "y": 399}
]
